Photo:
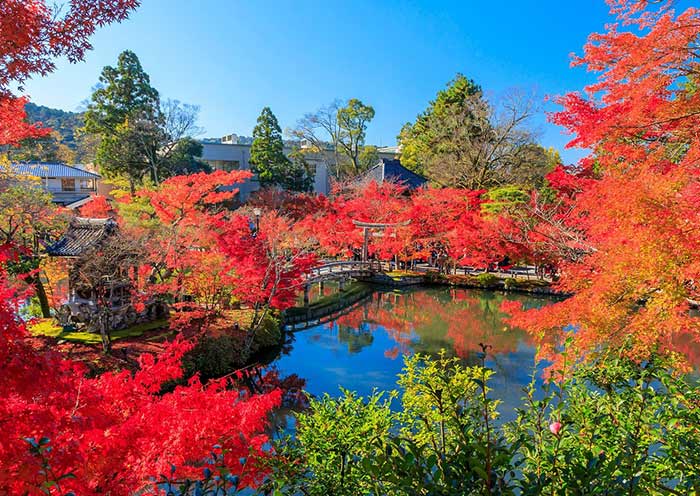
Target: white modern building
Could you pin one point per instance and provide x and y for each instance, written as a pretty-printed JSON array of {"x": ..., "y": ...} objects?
[
  {"x": 230, "y": 155},
  {"x": 233, "y": 156}
]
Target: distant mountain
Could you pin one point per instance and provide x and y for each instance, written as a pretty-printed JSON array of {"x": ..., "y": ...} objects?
[
  {"x": 64, "y": 122},
  {"x": 64, "y": 144}
]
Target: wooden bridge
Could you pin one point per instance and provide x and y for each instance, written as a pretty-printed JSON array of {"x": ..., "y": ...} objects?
[
  {"x": 342, "y": 270},
  {"x": 339, "y": 271},
  {"x": 300, "y": 318},
  {"x": 303, "y": 318}
]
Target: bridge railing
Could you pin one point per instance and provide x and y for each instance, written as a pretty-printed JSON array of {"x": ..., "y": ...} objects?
[{"x": 345, "y": 266}]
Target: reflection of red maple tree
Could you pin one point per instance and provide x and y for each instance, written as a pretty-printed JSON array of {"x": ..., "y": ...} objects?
[{"x": 463, "y": 317}]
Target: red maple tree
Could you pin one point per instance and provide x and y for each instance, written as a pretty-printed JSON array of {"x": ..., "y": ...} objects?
[
  {"x": 178, "y": 223},
  {"x": 634, "y": 201},
  {"x": 114, "y": 433},
  {"x": 32, "y": 34},
  {"x": 268, "y": 260},
  {"x": 98, "y": 207}
]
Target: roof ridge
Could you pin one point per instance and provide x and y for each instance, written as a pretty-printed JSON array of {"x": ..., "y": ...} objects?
[{"x": 39, "y": 164}]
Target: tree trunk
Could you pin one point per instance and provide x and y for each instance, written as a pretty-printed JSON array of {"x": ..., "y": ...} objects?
[
  {"x": 104, "y": 333},
  {"x": 41, "y": 295}
]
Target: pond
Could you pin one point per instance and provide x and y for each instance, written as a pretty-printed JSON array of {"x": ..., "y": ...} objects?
[{"x": 363, "y": 349}]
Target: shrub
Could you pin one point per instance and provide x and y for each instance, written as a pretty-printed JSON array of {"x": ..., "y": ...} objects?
[
  {"x": 268, "y": 334},
  {"x": 486, "y": 279},
  {"x": 214, "y": 357},
  {"x": 614, "y": 427},
  {"x": 217, "y": 356}
]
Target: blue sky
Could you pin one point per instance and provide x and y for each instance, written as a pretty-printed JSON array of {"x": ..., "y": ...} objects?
[{"x": 233, "y": 57}]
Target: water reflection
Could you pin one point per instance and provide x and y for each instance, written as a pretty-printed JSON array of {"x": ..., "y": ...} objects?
[{"x": 362, "y": 350}]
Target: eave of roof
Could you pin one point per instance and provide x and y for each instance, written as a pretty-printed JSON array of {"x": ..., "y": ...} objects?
[
  {"x": 82, "y": 234},
  {"x": 52, "y": 169}
]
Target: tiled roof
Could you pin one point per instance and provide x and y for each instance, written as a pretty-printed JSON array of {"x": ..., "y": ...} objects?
[
  {"x": 82, "y": 234},
  {"x": 392, "y": 170},
  {"x": 46, "y": 169}
]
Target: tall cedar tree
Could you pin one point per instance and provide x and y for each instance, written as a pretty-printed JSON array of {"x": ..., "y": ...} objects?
[
  {"x": 268, "y": 159},
  {"x": 124, "y": 99}
]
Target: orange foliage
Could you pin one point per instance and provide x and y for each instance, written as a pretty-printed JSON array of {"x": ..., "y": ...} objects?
[{"x": 640, "y": 214}]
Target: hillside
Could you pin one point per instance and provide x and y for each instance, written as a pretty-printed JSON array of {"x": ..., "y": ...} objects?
[
  {"x": 64, "y": 144},
  {"x": 63, "y": 122}
]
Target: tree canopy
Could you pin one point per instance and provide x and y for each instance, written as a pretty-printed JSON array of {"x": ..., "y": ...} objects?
[
  {"x": 269, "y": 160},
  {"x": 463, "y": 140},
  {"x": 336, "y": 133},
  {"x": 138, "y": 131}
]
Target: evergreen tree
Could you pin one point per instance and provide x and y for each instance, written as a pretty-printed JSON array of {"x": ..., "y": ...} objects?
[
  {"x": 120, "y": 105},
  {"x": 268, "y": 159},
  {"x": 185, "y": 158},
  {"x": 463, "y": 140},
  {"x": 124, "y": 91},
  {"x": 418, "y": 139},
  {"x": 299, "y": 176}
]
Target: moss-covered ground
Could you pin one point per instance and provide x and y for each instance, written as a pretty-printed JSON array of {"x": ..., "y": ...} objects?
[{"x": 48, "y": 328}]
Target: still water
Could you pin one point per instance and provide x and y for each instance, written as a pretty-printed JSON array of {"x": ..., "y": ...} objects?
[{"x": 363, "y": 349}]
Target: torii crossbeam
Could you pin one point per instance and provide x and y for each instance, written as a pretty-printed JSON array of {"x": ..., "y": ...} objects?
[{"x": 367, "y": 226}]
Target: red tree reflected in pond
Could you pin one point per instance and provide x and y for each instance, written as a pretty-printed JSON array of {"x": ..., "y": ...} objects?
[{"x": 427, "y": 320}]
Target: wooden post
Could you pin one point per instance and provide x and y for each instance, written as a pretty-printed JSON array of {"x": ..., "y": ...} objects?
[
  {"x": 365, "y": 244},
  {"x": 306, "y": 295}
]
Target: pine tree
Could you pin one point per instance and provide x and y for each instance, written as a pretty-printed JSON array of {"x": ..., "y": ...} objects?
[
  {"x": 268, "y": 159},
  {"x": 267, "y": 152}
]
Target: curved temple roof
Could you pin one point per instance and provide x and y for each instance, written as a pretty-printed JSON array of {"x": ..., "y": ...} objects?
[{"x": 82, "y": 233}]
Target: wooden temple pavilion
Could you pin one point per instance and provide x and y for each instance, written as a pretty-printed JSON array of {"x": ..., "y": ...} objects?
[{"x": 82, "y": 236}]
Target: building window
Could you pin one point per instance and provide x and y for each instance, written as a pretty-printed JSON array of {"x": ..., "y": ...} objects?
[
  {"x": 67, "y": 184},
  {"x": 224, "y": 165},
  {"x": 87, "y": 184}
]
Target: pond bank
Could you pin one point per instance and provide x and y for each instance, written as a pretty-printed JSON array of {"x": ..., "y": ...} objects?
[{"x": 486, "y": 280}]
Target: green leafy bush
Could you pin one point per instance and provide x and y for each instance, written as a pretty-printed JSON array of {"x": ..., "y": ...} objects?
[
  {"x": 332, "y": 446},
  {"x": 486, "y": 279},
  {"x": 268, "y": 334},
  {"x": 214, "y": 357},
  {"x": 614, "y": 427},
  {"x": 217, "y": 356}
]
